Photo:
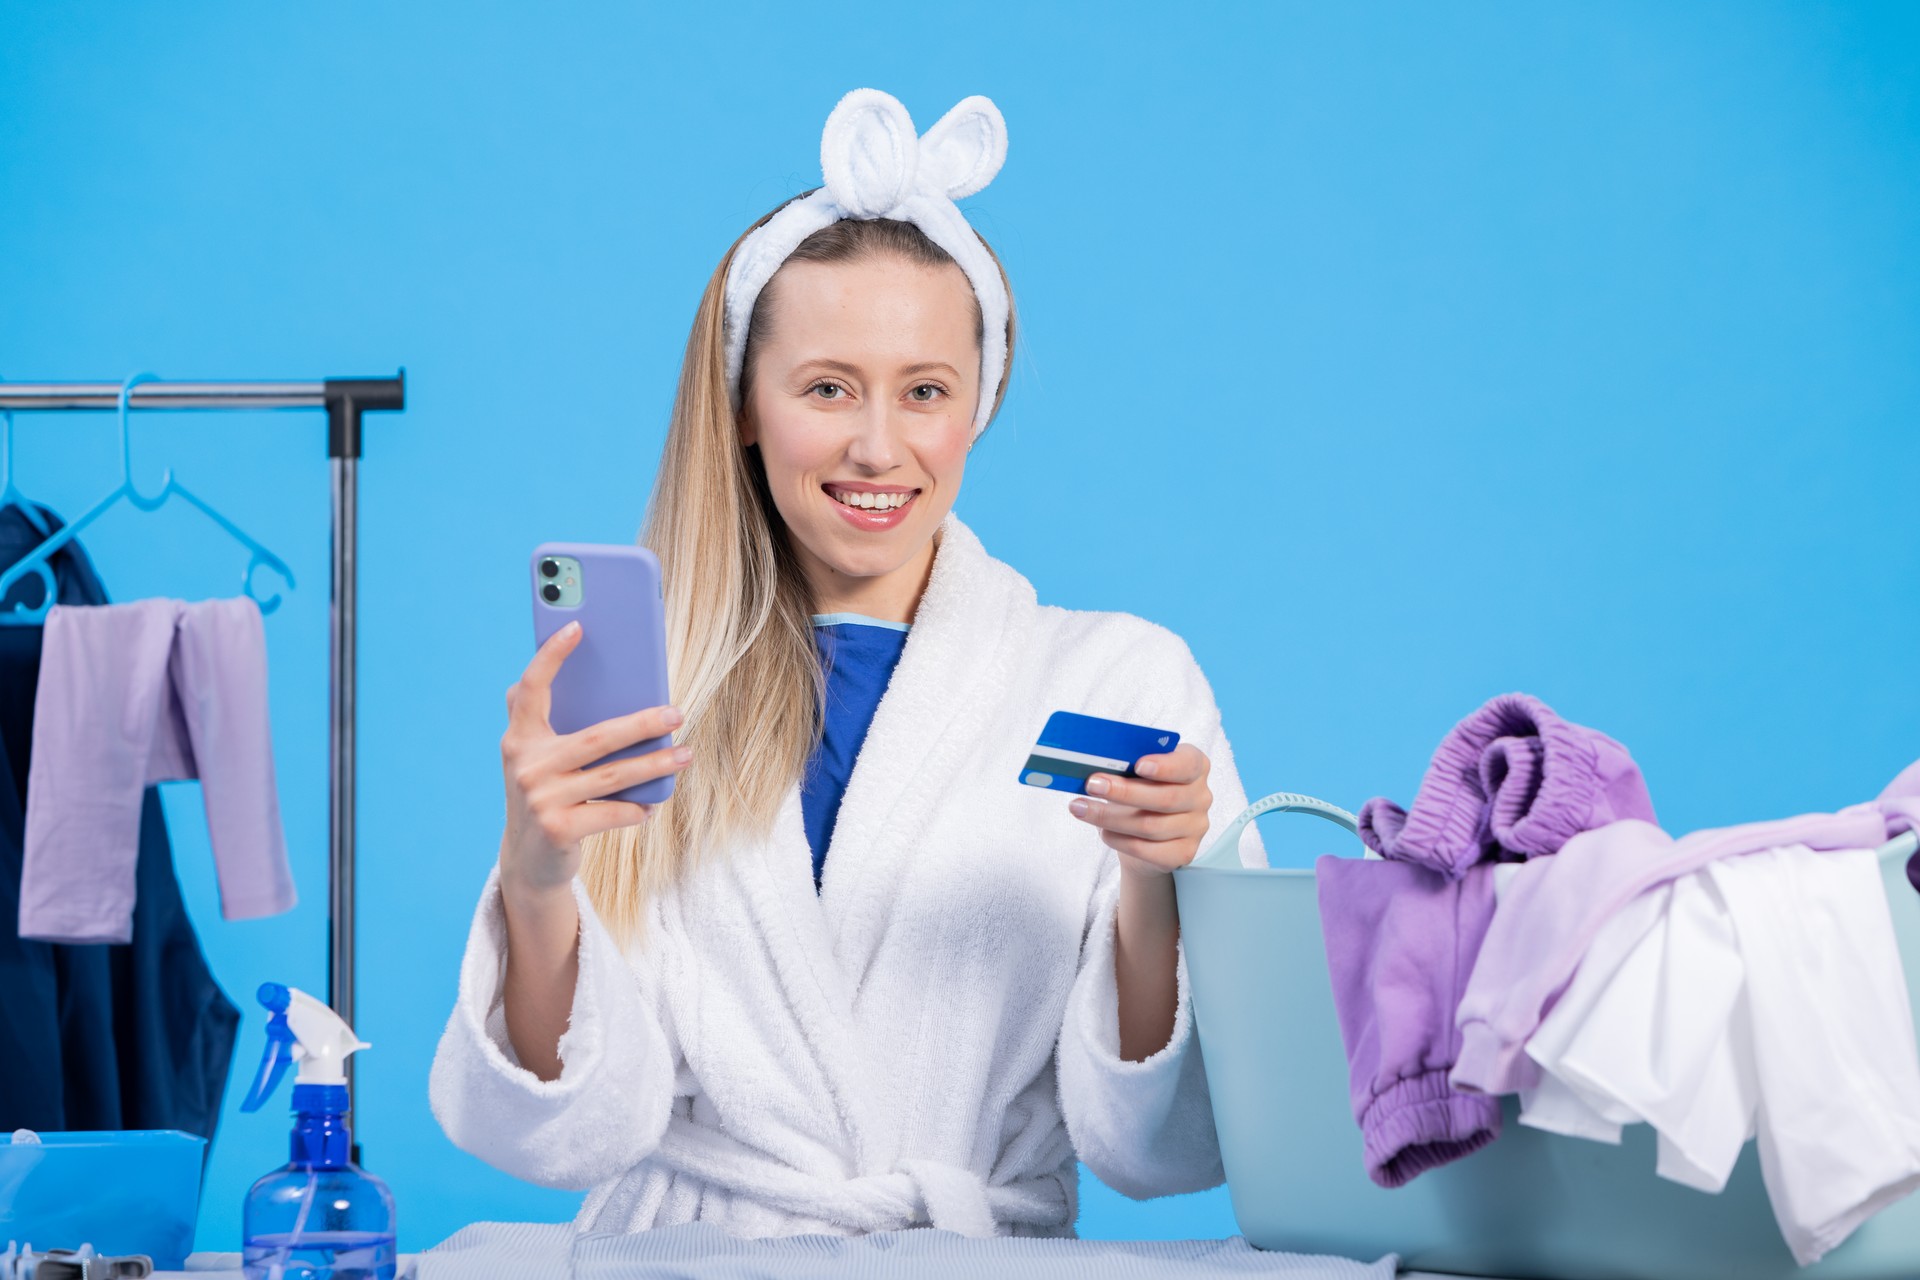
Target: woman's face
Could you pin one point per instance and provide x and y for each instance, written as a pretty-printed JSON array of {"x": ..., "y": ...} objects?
[{"x": 862, "y": 403}]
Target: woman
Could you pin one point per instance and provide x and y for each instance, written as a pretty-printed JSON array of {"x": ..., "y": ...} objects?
[{"x": 981, "y": 982}]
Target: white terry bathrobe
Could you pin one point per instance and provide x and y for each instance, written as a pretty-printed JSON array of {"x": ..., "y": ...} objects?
[{"x": 931, "y": 1039}]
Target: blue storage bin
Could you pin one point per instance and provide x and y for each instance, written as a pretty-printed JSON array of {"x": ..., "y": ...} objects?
[
  {"x": 136, "y": 1191},
  {"x": 1531, "y": 1204}
]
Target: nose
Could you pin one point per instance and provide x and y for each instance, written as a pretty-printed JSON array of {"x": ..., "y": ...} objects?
[{"x": 875, "y": 444}]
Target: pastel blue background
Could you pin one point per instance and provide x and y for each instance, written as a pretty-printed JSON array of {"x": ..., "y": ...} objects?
[{"x": 1395, "y": 355}]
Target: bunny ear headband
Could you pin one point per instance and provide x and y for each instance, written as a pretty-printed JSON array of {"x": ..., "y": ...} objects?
[{"x": 875, "y": 167}]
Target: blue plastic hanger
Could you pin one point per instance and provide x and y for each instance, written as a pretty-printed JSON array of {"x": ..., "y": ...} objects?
[
  {"x": 10, "y": 496},
  {"x": 35, "y": 561}
]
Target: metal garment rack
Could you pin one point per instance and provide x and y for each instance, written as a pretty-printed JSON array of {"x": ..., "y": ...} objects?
[{"x": 345, "y": 400}]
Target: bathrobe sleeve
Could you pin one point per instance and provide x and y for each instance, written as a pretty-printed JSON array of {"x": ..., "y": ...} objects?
[
  {"x": 607, "y": 1109},
  {"x": 1146, "y": 1128}
]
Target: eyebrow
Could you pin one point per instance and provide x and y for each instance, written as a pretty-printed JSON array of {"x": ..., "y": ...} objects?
[{"x": 841, "y": 366}]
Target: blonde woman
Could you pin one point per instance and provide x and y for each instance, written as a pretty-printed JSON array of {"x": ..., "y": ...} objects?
[{"x": 852, "y": 976}]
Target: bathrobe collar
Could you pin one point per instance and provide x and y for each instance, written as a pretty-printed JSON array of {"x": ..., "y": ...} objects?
[{"x": 967, "y": 633}]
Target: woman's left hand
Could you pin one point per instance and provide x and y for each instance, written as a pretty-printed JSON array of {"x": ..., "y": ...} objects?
[{"x": 1155, "y": 822}]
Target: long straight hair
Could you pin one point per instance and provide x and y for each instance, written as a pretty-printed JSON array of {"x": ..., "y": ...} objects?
[{"x": 738, "y": 608}]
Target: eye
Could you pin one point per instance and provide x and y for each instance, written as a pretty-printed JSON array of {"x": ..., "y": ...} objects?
[
  {"x": 926, "y": 392},
  {"x": 828, "y": 390}
]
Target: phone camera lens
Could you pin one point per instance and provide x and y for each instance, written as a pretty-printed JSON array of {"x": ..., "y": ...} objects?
[
  {"x": 550, "y": 567},
  {"x": 551, "y": 592}
]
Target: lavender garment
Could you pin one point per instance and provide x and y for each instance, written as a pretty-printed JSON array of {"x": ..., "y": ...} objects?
[
  {"x": 1551, "y": 911},
  {"x": 129, "y": 695},
  {"x": 1511, "y": 781},
  {"x": 1901, "y": 799},
  {"x": 1401, "y": 940}
]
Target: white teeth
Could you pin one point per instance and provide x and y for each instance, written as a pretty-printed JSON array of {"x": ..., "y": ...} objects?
[{"x": 872, "y": 501}]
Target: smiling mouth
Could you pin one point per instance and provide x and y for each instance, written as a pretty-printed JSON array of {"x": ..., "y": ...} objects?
[{"x": 870, "y": 500}]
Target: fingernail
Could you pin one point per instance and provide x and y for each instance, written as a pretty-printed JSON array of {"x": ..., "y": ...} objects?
[
  {"x": 571, "y": 627},
  {"x": 671, "y": 717},
  {"x": 1096, "y": 786},
  {"x": 682, "y": 755},
  {"x": 1079, "y": 808},
  {"x": 1146, "y": 768}
]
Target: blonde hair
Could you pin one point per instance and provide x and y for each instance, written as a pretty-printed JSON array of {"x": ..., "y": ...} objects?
[{"x": 740, "y": 644}]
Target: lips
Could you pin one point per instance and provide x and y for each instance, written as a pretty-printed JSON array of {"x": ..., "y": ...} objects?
[{"x": 881, "y": 514}]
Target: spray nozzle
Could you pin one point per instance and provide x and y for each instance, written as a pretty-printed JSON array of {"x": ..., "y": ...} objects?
[{"x": 301, "y": 1030}]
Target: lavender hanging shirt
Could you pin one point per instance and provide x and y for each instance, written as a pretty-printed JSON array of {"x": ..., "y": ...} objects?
[{"x": 132, "y": 694}]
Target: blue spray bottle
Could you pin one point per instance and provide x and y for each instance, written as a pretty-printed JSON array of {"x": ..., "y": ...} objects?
[{"x": 320, "y": 1217}]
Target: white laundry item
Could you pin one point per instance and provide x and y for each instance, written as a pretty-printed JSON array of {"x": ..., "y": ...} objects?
[
  {"x": 1764, "y": 998},
  {"x": 1503, "y": 874},
  {"x": 1557, "y": 1103},
  {"x": 930, "y": 1039},
  {"x": 1551, "y": 1104},
  {"x": 1649, "y": 1039},
  {"x": 1832, "y": 1027}
]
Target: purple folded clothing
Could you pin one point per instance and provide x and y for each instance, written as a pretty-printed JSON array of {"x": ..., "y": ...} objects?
[
  {"x": 1401, "y": 942},
  {"x": 1511, "y": 781}
]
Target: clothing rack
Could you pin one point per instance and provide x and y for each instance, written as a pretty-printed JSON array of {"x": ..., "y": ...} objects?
[{"x": 345, "y": 400}]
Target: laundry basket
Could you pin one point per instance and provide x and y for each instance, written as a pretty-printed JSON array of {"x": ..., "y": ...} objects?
[{"x": 1531, "y": 1205}]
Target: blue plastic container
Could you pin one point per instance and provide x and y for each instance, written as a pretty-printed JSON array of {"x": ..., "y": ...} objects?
[
  {"x": 136, "y": 1191},
  {"x": 1531, "y": 1204}
]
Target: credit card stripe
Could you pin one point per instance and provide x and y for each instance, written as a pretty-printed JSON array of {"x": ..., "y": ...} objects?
[
  {"x": 1081, "y": 757},
  {"x": 1064, "y": 768},
  {"x": 1060, "y": 768}
]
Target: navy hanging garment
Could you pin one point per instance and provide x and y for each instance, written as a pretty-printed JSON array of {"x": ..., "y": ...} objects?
[{"x": 113, "y": 1036}]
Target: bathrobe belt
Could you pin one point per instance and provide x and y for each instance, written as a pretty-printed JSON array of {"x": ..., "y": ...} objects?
[{"x": 914, "y": 1191}]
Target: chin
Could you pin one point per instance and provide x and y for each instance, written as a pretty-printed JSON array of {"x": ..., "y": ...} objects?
[
  {"x": 872, "y": 562},
  {"x": 868, "y": 555}
]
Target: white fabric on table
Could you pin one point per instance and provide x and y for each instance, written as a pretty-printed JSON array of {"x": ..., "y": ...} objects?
[{"x": 701, "y": 1251}]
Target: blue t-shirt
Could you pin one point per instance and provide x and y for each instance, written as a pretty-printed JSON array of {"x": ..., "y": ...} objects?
[{"x": 858, "y": 655}]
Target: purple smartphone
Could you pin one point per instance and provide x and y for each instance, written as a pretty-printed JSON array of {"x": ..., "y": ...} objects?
[{"x": 620, "y": 664}]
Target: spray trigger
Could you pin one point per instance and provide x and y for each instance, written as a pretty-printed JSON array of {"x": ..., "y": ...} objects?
[
  {"x": 304, "y": 1032},
  {"x": 280, "y": 1042}
]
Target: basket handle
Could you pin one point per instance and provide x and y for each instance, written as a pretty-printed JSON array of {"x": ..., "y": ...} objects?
[{"x": 1225, "y": 851}]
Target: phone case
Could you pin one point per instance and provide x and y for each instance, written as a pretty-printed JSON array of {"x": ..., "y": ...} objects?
[{"x": 620, "y": 664}]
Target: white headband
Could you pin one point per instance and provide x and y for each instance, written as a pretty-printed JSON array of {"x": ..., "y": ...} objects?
[{"x": 876, "y": 168}]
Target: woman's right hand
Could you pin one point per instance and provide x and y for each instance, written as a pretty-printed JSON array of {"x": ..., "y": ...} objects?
[
  {"x": 550, "y": 809},
  {"x": 551, "y": 791}
]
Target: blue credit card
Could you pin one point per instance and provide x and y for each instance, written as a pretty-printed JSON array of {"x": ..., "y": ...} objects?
[{"x": 1074, "y": 747}]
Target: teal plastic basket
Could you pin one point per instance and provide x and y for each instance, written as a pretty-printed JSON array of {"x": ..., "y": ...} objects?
[
  {"x": 1531, "y": 1204},
  {"x": 136, "y": 1191}
]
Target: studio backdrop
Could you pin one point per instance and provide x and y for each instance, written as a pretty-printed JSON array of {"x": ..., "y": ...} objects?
[{"x": 1395, "y": 356}]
